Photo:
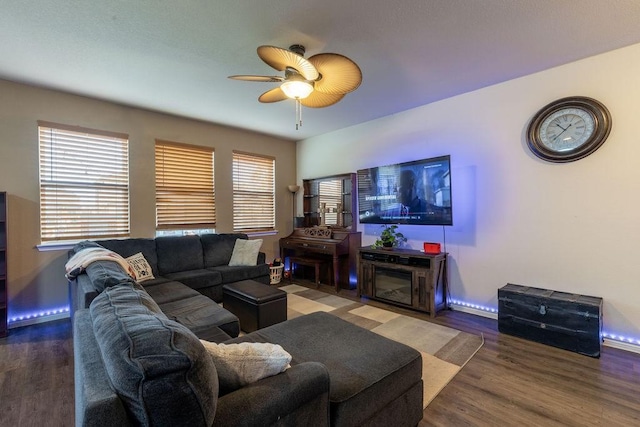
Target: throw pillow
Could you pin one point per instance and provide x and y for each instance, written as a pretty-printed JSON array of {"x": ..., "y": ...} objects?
[
  {"x": 245, "y": 252},
  {"x": 244, "y": 363},
  {"x": 141, "y": 267}
]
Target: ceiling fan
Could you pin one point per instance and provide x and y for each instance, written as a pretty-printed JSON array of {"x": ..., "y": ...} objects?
[{"x": 320, "y": 81}]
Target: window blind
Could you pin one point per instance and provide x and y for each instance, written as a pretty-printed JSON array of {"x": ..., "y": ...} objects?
[
  {"x": 185, "y": 192},
  {"x": 330, "y": 192},
  {"x": 84, "y": 183},
  {"x": 253, "y": 192}
]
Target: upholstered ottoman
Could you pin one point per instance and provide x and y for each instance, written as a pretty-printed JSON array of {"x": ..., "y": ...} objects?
[
  {"x": 257, "y": 305},
  {"x": 374, "y": 381}
]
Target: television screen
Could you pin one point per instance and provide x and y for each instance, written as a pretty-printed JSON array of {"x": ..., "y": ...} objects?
[{"x": 417, "y": 192}]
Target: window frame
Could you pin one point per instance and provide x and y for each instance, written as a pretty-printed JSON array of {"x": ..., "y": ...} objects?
[
  {"x": 84, "y": 190},
  {"x": 246, "y": 201},
  {"x": 188, "y": 185}
]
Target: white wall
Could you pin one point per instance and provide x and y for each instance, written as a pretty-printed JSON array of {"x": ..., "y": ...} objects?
[{"x": 570, "y": 227}]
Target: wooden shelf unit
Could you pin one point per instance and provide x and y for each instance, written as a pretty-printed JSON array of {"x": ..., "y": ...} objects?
[
  {"x": 312, "y": 195},
  {"x": 3, "y": 265}
]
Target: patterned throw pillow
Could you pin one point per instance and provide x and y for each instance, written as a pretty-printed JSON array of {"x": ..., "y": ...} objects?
[{"x": 141, "y": 267}]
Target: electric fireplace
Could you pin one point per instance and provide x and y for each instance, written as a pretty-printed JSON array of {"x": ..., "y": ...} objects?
[{"x": 393, "y": 285}]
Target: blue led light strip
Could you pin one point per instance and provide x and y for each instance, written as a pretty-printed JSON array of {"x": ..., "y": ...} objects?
[
  {"x": 474, "y": 306},
  {"x": 38, "y": 314},
  {"x": 620, "y": 338}
]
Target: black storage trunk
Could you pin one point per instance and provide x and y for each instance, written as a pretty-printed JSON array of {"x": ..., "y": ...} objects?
[{"x": 569, "y": 321}]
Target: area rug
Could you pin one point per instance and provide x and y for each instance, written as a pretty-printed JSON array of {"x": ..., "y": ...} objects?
[{"x": 444, "y": 350}]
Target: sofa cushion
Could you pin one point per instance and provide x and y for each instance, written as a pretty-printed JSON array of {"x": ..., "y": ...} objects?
[
  {"x": 128, "y": 247},
  {"x": 179, "y": 253},
  {"x": 159, "y": 369},
  {"x": 235, "y": 274},
  {"x": 217, "y": 248},
  {"x": 156, "y": 281},
  {"x": 166, "y": 292},
  {"x": 196, "y": 279},
  {"x": 199, "y": 314},
  {"x": 245, "y": 363}
]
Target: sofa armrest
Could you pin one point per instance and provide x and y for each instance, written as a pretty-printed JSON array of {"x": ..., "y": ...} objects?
[
  {"x": 300, "y": 395},
  {"x": 96, "y": 403},
  {"x": 81, "y": 293},
  {"x": 262, "y": 257}
]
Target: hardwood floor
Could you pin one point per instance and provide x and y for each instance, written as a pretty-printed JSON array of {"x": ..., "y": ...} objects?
[
  {"x": 36, "y": 376},
  {"x": 515, "y": 382},
  {"x": 509, "y": 382}
]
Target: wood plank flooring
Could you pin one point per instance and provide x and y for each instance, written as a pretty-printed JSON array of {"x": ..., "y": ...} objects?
[
  {"x": 515, "y": 382},
  {"x": 509, "y": 382},
  {"x": 36, "y": 376}
]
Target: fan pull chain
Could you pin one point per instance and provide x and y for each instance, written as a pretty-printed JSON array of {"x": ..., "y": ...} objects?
[{"x": 298, "y": 114}]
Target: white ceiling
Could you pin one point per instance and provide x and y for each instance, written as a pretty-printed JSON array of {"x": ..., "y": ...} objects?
[{"x": 174, "y": 56}]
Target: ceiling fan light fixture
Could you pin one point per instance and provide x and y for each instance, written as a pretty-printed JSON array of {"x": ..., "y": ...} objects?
[
  {"x": 320, "y": 81},
  {"x": 297, "y": 89}
]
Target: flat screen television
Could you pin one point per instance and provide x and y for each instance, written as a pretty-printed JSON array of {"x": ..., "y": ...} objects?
[{"x": 417, "y": 192}]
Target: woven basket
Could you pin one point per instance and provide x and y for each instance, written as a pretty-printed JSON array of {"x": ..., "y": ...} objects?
[{"x": 276, "y": 274}]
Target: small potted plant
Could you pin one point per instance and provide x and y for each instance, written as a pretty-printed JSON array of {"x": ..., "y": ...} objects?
[{"x": 389, "y": 237}]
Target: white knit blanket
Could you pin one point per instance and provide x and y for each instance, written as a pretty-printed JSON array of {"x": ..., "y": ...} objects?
[{"x": 79, "y": 262}]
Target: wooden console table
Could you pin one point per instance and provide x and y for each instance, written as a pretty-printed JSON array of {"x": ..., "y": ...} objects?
[{"x": 412, "y": 278}]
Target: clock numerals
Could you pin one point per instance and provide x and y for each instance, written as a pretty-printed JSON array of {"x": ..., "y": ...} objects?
[{"x": 566, "y": 129}]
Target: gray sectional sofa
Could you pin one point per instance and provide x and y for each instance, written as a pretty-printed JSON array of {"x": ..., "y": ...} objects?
[
  {"x": 200, "y": 262},
  {"x": 189, "y": 272},
  {"x": 138, "y": 358},
  {"x": 135, "y": 366}
]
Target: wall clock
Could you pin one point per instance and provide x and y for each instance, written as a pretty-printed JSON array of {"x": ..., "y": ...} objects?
[{"x": 568, "y": 129}]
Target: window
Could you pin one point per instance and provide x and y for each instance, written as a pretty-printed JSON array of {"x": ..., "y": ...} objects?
[
  {"x": 253, "y": 192},
  {"x": 84, "y": 183},
  {"x": 185, "y": 194}
]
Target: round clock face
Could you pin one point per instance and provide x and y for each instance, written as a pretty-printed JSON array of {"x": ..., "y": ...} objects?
[{"x": 568, "y": 129}]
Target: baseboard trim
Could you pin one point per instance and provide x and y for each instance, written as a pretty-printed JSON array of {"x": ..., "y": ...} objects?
[{"x": 634, "y": 348}]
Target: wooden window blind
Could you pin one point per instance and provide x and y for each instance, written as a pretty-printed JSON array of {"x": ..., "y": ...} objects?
[
  {"x": 185, "y": 192},
  {"x": 84, "y": 183},
  {"x": 330, "y": 192},
  {"x": 253, "y": 192}
]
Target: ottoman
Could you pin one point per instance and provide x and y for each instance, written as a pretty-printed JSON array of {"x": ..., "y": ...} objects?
[
  {"x": 374, "y": 381},
  {"x": 257, "y": 305}
]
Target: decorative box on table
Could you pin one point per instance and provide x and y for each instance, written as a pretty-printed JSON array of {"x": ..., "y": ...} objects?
[{"x": 569, "y": 321}]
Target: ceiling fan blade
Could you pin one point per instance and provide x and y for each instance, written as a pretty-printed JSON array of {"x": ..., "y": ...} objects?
[
  {"x": 319, "y": 99},
  {"x": 280, "y": 59},
  {"x": 339, "y": 74},
  {"x": 273, "y": 95},
  {"x": 257, "y": 78}
]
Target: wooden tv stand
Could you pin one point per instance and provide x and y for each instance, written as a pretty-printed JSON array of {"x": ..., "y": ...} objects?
[{"x": 422, "y": 277}]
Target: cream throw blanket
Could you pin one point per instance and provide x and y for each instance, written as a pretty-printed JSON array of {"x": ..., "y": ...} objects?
[{"x": 79, "y": 262}]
